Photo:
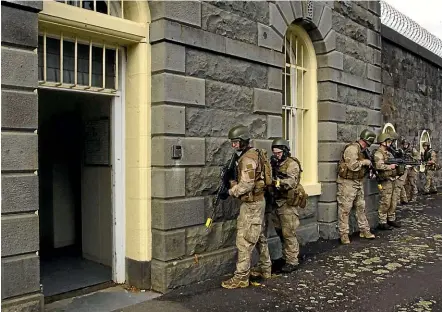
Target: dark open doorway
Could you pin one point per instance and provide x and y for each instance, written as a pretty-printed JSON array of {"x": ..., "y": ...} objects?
[{"x": 75, "y": 191}]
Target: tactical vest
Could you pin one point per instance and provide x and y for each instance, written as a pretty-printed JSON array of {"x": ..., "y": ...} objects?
[
  {"x": 427, "y": 155},
  {"x": 385, "y": 174},
  {"x": 408, "y": 153},
  {"x": 293, "y": 196},
  {"x": 257, "y": 192},
  {"x": 346, "y": 173}
]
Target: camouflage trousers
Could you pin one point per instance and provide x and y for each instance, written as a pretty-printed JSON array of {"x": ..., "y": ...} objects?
[
  {"x": 411, "y": 184},
  {"x": 285, "y": 220},
  {"x": 387, "y": 206},
  {"x": 429, "y": 181},
  {"x": 400, "y": 183},
  {"x": 351, "y": 192},
  {"x": 249, "y": 228},
  {"x": 264, "y": 262}
]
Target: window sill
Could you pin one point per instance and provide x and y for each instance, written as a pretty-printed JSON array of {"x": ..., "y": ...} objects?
[{"x": 312, "y": 189}]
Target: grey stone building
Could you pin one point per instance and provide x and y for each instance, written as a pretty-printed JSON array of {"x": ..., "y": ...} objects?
[{"x": 115, "y": 117}]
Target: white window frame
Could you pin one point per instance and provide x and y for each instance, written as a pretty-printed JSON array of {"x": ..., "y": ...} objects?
[{"x": 301, "y": 103}]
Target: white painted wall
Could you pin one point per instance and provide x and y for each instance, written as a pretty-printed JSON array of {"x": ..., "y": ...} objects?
[
  {"x": 96, "y": 212},
  {"x": 96, "y": 196}
]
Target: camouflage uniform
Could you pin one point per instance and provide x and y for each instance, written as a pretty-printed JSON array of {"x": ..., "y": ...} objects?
[
  {"x": 286, "y": 216},
  {"x": 399, "y": 184},
  {"x": 411, "y": 181},
  {"x": 285, "y": 219},
  {"x": 389, "y": 193},
  {"x": 351, "y": 191},
  {"x": 430, "y": 171},
  {"x": 250, "y": 190}
]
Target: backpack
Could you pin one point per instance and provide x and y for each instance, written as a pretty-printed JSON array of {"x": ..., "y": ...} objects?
[{"x": 265, "y": 165}]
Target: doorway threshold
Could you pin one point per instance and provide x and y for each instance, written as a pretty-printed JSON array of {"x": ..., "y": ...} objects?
[
  {"x": 106, "y": 300},
  {"x": 66, "y": 271}
]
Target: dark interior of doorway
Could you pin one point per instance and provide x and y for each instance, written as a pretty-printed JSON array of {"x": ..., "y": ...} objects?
[{"x": 62, "y": 119}]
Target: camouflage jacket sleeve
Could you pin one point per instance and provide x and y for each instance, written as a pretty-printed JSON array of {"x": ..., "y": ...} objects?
[
  {"x": 433, "y": 157},
  {"x": 379, "y": 161},
  {"x": 246, "y": 178},
  {"x": 351, "y": 155},
  {"x": 293, "y": 176}
]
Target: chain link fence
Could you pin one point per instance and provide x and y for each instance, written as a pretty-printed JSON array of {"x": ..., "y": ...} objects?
[{"x": 410, "y": 29}]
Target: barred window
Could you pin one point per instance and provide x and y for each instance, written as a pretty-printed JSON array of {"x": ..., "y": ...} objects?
[
  {"x": 299, "y": 109},
  {"x": 72, "y": 62}
]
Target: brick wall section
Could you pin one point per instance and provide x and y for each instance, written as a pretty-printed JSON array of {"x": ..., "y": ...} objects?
[
  {"x": 412, "y": 99},
  {"x": 215, "y": 65},
  {"x": 19, "y": 215},
  {"x": 349, "y": 99}
]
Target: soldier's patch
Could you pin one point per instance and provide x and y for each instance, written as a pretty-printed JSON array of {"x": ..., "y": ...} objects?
[
  {"x": 251, "y": 175},
  {"x": 249, "y": 166}
]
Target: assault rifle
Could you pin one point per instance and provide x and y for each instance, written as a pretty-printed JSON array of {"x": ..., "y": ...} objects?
[
  {"x": 373, "y": 172},
  {"x": 228, "y": 173},
  {"x": 400, "y": 161},
  {"x": 397, "y": 153}
]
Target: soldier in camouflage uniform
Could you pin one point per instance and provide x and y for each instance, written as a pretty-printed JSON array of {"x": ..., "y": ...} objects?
[
  {"x": 387, "y": 174},
  {"x": 412, "y": 173},
  {"x": 402, "y": 180},
  {"x": 352, "y": 169},
  {"x": 431, "y": 165},
  {"x": 285, "y": 216},
  {"x": 250, "y": 190}
]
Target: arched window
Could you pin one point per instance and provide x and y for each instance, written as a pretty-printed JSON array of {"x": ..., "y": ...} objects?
[{"x": 299, "y": 109}]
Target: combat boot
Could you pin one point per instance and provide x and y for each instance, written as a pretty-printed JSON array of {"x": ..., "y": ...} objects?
[
  {"x": 260, "y": 273},
  {"x": 394, "y": 224},
  {"x": 344, "y": 239},
  {"x": 433, "y": 192},
  {"x": 288, "y": 268},
  {"x": 366, "y": 234},
  {"x": 236, "y": 282},
  {"x": 384, "y": 227}
]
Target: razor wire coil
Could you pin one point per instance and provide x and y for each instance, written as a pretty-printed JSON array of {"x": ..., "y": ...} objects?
[{"x": 410, "y": 29}]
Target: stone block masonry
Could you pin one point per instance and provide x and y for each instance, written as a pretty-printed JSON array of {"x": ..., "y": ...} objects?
[
  {"x": 218, "y": 69},
  {"x": 412, "y": 97},
  {"x": 19, "y": 215},
  {"x": 349, "y": 93}
]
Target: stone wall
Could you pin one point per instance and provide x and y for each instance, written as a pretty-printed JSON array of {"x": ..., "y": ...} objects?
[
  {"x": 412, "y": 99},
  {"x": 216, "y": 65},
  {"x": 349, "y": 100},
  {"x": 19, "y": 215}
]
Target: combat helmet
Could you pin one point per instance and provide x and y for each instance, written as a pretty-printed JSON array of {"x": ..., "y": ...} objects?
[
  {"x": 368, "y": 136},
  {"x": 283, "y": 145},
  {"x": 384, "y": 137},
  {"x": 240, "y": 132},
  {"x": 425, "y": 144},
  {"x": 405, "y": 141}
]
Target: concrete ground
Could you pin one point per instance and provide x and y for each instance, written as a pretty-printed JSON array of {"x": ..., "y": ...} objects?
[
  {"x": 106, "y": 300},
  {"x": 401, "y": 270}
]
